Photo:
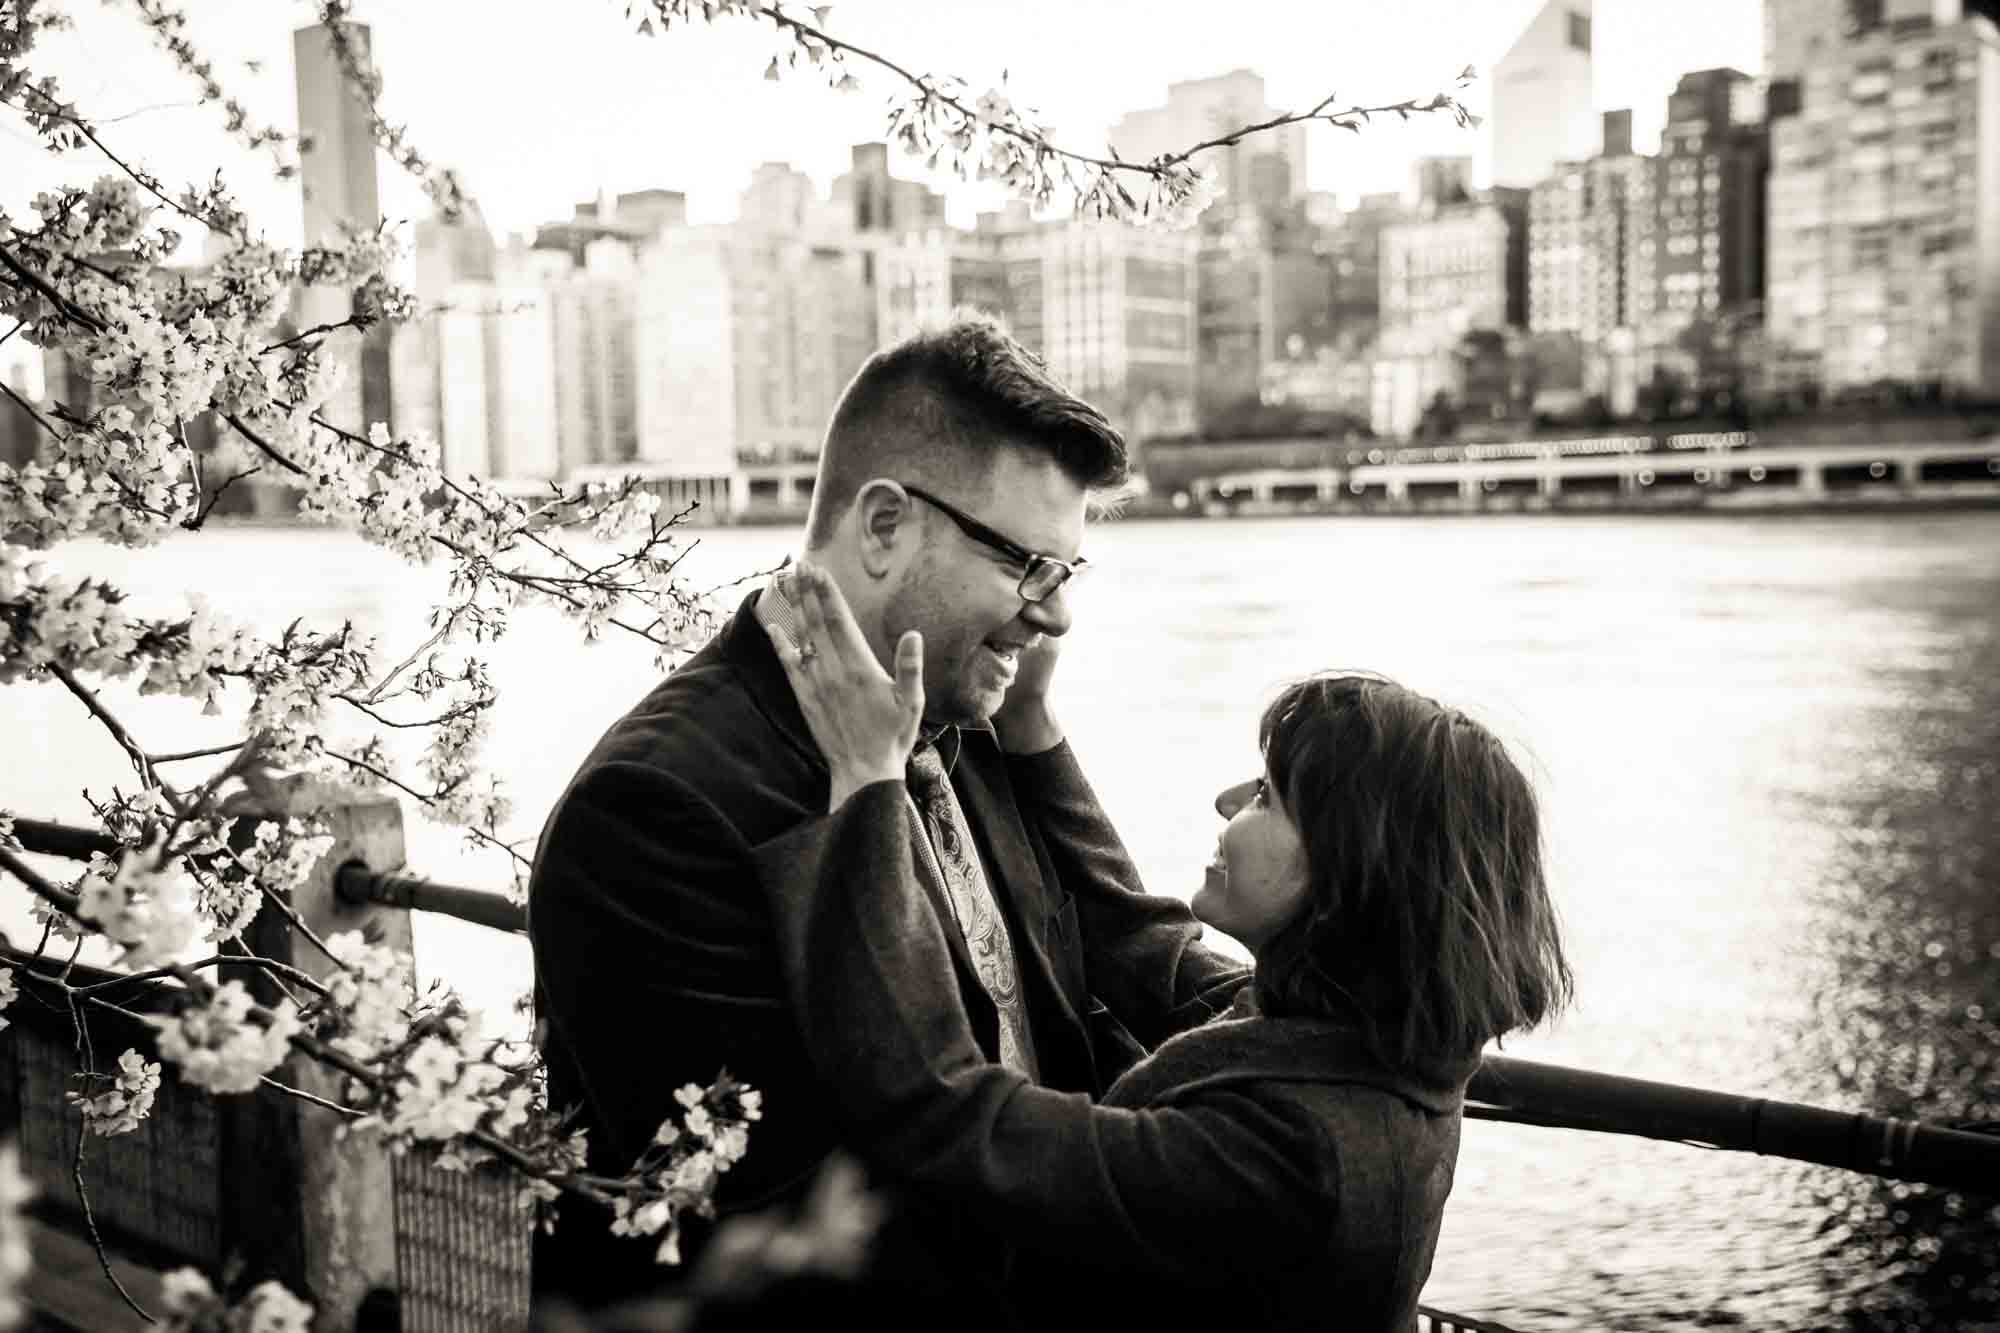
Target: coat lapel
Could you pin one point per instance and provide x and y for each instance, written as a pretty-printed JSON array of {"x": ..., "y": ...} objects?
[{"x": 981, "y": 782}]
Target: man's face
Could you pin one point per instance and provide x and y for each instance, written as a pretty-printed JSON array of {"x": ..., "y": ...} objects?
[{"x": 964, "y": 596}]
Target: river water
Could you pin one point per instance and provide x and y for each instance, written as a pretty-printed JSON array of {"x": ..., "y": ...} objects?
[{"x": 1769, "y": 753}]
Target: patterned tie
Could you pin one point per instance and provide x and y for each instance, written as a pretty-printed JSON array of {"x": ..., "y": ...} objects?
[{"x": 972, "y": 903}]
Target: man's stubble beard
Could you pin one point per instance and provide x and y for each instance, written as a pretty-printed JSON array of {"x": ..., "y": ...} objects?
[{"x": 917, "y": 605}]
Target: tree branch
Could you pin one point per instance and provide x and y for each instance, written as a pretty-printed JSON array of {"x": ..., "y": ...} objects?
[{"x": 139, "y": 758}]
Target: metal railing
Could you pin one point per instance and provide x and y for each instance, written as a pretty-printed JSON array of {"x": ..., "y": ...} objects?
[{"x": 1503, "y": 1089}]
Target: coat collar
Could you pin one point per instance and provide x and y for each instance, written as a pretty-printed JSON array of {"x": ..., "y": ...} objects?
[
  {"x": 1293, "y": 1050},
  {"x": 746, "y": 645}
]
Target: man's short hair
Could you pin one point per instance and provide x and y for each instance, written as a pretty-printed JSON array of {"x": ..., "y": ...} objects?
[{"x": 936, "y": 407}]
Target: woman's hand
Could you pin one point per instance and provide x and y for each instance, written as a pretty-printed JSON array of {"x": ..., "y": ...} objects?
[
  {"x": 1024, "y": 723},
  {"x": 864, "y": 719}
]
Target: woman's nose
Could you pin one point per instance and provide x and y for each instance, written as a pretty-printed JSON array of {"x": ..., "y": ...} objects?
[{"x": 1231, "y": 799}]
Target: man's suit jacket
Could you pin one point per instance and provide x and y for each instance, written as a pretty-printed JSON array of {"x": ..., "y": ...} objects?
[{"x": 656, "y": 955}]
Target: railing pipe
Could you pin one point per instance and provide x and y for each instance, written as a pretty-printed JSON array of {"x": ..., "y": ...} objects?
[
  {"x": 66, "y": 840},
  {"x": 354, "y": 882},
  {"x": 1558, "y": 1097}
]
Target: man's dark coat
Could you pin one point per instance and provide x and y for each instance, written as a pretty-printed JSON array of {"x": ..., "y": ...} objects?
[{"x": 656, "y": 947}]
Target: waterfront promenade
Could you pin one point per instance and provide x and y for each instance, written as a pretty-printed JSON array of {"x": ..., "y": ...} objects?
[{"x": 1720, "y": 471}]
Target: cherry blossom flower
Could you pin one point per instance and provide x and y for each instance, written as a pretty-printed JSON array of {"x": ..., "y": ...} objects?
[{"x": 120, "y": 1108}]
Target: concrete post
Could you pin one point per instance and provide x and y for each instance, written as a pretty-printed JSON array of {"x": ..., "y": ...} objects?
[
  {"x": 345, "y": 1210},
  {"x": 1812, "y": 479},
  {"x": 1909, "y": 474}
]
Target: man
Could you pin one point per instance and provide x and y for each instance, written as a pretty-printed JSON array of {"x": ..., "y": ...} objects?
[{"x": 950, "y": 499}]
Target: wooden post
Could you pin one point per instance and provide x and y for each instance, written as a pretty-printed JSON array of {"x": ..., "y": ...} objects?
[{"x": 318, "y": 1208}]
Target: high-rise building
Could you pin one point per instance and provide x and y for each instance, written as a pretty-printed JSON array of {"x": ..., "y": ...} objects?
[
  {"x": 870, "y": 199},
  {"x": 1884, "y": 209},
  {"x": 1541, "y": 96},
  {"x": 1589, "y": 249},
  {"x": 1436, "y": 181},
  {"x": 1201, "y": 109},
  {"x": 743, "y": 341},
  {"x": 592, "y": 314},
  {"x": 922, "y": 278},
  {"x": 1111, "y": 308},
  {"x": 1353, "y": 242},
  {"x": 475, "y": 367},
  {"x": 1708, "y": 194},
  {"x": 1461, "y": 270},
  {"x": 337, "y": 185},
  {"x": 1463, "y": 267},
  {"x": 1799, "y": 34},
  {"x": 1265, "y": 294},
  {"x": 633, "y": 218}
]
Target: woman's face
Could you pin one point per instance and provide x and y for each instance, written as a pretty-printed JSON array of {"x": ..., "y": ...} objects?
[{"x": 1257, "y": 881}]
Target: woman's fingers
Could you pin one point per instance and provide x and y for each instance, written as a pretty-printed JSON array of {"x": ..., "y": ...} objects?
[
  {"x": 910, "y": 673},
  {"x": 781, "y": 643},
  {"x": 812, "y": 619}
]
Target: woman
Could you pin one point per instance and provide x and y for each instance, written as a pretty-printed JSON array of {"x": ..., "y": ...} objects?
[{"x": 1285, "y": 1166}]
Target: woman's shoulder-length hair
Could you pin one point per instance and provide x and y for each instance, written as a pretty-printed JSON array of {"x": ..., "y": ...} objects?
[{"x": 1428, "y": 922}]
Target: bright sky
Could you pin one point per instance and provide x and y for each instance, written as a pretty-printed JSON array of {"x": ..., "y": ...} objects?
[{"x": 540, "y": 104}]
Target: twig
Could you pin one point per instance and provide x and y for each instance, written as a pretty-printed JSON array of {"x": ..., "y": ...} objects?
[
  {"x": 305, "y": 1096},
  {"x": 140, "y": 761},
  {"x": 1156, "y": 168},
  {"x": 264, "y": 446},
  {"x": 351, "y": 322},
  {"x": 406, "y": 789},
  {"x": 89, "y": 1061},
  {"x": 59, "y": 898},
  {"x": 145, "y": 180},
  {"x": 67, "y": 308},
  {"x": 29, "y": 408},
  {"x": 285, "y": 909},
  {"x": 197, "y": 754},
  {"x": 201, "y": 515}
]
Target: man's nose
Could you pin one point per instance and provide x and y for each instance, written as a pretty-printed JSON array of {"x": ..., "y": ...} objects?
[
  {"x": 1231, "y": 799},
  {"x": 1051, "y": 615}
]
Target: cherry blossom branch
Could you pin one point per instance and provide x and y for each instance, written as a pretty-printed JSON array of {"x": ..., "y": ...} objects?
[
  {"x": 389, "y": 779},
  {"x": 197, "y": 754},
  {"x": 928, "y": 89},
  {"x": 29, "y": 408},
  {"x": 140, "y": 760},
  {"x": 168, "y": 25}
]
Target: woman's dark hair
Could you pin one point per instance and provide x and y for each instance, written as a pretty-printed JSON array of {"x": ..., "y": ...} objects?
[{"x": 1427, "y": 922}]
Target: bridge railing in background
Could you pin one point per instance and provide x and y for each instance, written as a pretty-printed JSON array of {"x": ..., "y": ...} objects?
[{"x": 267, "y": 1179}]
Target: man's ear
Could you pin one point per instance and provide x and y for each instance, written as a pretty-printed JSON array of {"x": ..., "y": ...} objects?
[{"x": 887, "y": 527}]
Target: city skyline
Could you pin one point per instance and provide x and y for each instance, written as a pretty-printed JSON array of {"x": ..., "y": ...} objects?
[{"x": 591, "y": 91}]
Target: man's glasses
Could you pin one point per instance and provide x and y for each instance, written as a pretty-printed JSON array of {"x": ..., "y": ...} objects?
[{"x": 1042, "y": 575}]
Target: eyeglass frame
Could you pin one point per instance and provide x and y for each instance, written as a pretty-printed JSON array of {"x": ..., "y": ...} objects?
[{"x": 1030, "y": 561}]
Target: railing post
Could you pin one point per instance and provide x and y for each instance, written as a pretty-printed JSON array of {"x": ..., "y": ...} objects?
[{"x": 344, "y": 1214}]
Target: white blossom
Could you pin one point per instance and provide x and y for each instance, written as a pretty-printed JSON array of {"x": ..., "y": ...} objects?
[
  {"x": 218, "y": 1046},
  {"x": 120, "y": 1108}
]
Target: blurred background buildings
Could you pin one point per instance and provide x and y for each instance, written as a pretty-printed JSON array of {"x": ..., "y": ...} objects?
[{"x": 1826, "y": 235}]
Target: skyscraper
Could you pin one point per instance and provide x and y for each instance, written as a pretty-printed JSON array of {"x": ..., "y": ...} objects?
[
  {"x": 338, "y": 187},
  {"x": 1884, "y": 252},
  {"x": 1199, "y": 109},
  {"x": 1541, "y": 96}
]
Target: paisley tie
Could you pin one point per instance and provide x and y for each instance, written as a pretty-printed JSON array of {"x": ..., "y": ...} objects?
[{"x": 971, "y": 898}]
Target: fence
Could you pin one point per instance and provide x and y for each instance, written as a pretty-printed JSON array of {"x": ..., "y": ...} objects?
[{"x": 386, "y": 1244}]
